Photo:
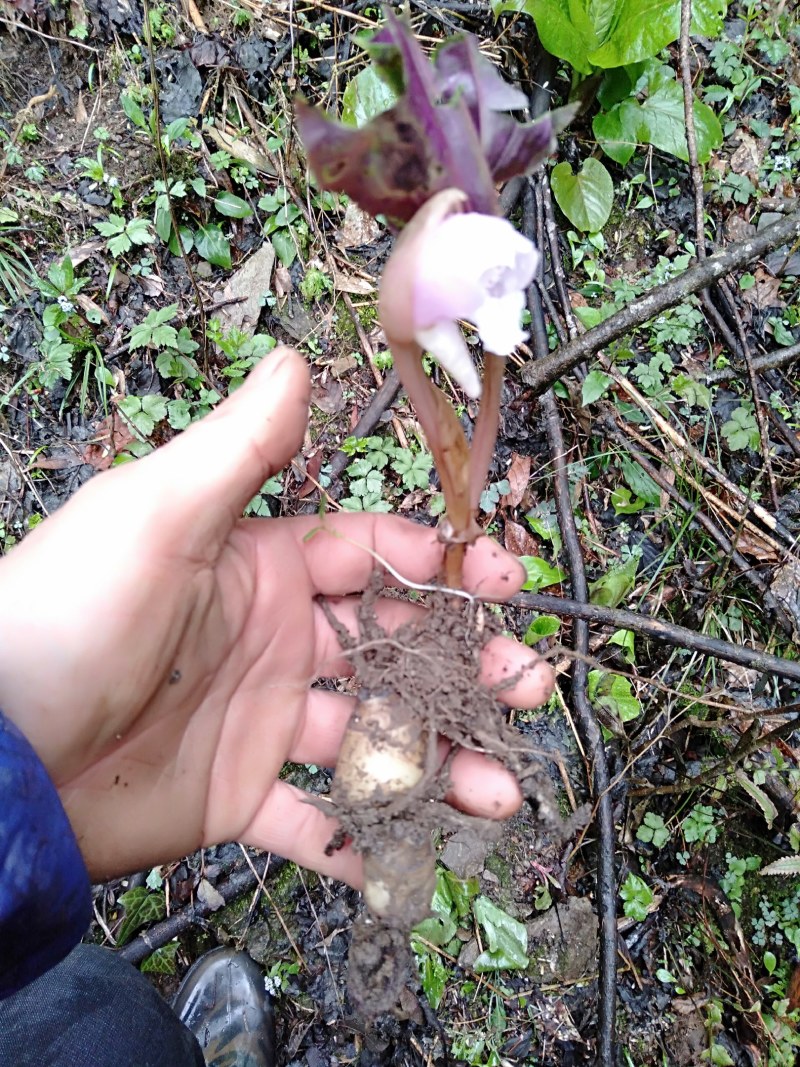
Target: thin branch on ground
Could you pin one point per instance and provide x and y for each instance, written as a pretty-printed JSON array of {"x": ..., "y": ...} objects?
[
  {"x": 381, "y": 400},
  {"x": 627, "y": 435},
  {"x": 592, "y": 737},
  {"x": 236, "y": 886},
  {"x": 541, "y": 374},
  {"x": 669, "y": 633},
  {"x": 771, "y": 361},
  {"x": 689, "y": 450}
]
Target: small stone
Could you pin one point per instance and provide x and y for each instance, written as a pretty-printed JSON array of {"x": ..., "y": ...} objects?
[{"x": 465, "y": 853}]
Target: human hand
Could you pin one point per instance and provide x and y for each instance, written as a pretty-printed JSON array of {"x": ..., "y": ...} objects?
[{"x": 158, "y": 650}]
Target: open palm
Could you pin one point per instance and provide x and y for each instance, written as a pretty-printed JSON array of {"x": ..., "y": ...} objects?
[{"x": 158, "y": 651}]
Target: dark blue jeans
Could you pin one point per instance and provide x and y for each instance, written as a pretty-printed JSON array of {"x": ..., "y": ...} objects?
[{"x": 93, "y": 1010}]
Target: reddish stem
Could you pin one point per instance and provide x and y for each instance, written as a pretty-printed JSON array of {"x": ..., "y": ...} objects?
[{"x": 486, "y": 426}]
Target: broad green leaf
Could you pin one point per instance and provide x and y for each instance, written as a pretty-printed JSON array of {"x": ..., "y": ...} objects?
[
  {"x": 618, "y": 131},
  {"x": 138, "y": 230},
  {"x": 119, "y": 245},
  {"x": 366, "y": 96},
  {"x": 162, "y": 961},
  {"x": 540, "y": 573},
  {"x": 506, "y": 938},
  {"x": 662, "y": 115},
  {"x": 614, "y": 586},
  {"x": 114, "y": 224},
  {"x": 231, "y": 205},
  {"x": 640, "y": 481},
  {"x": 641, "y": 29},
  {"x": 566, "y": 28},
  {"x": 594, "y": 386},
  {"x": 615, "y": 694},
  {"x": 284, "y": 246},
  {"x": 586, "y": 198},
  {"x": 213, "y": 246},
  {"x": 141, "y": 907},
  {"x": 707, "y": 16},
  {"x": 695, "y": 393},
  {"x": 155, "y": 406}
]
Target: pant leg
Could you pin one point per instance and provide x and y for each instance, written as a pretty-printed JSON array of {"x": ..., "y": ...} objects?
[{"x": 93, "y": 1010}]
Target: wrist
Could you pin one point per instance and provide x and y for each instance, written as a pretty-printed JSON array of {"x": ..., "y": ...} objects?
[{"x": 45, "y": 897}]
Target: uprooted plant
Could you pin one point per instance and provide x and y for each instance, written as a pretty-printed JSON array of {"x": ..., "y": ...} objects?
[{"x": 429, "y": 164}]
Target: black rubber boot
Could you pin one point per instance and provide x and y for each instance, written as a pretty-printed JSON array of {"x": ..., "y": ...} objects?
[{"x": 224, "y": 1002}]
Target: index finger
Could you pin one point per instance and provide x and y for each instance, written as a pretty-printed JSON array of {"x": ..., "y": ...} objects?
[{"x": 342, "y": 551}]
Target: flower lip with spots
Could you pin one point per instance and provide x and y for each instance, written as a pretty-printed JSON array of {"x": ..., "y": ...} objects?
[{"x": 475, "y": 267}]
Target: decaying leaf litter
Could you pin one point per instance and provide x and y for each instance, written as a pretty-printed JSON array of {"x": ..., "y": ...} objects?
[{"x": 679, "y": 734}]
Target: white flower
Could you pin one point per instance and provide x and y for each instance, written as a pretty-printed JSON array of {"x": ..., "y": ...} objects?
[{"x": 474, "y": 267}]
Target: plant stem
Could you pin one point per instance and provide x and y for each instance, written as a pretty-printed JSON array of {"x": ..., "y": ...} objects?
[{"x": 486, "y": 426}]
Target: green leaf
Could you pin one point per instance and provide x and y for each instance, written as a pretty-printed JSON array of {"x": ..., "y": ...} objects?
[
  {"x": 366, "y": 96},
  {"x": 770, "y": 961},
  {"x": 595, "y": 385},
  {"x": 285, "y": 248},
  {"x": 569, "y": 29},
  {"x": 768, "y": 809},
  {"x": 162, "y": 961},
  {"x": 619, "y": 130},
  {"x": 625, "y": 503},
  {"x": 232, "y": 206},
  {"x": 663, "y": 120},
  {"x": 614, "y": 586},
  {"x": 641, "y": 29},
  {"x": 586, "y": 198},
  {"x": 133, "y": 111},
  {"x": 696, "y": 394},
  {"x": 433, "y": 975},
  {"x": 506, "y": 938},
  {"x": 625, "y": 639},
  {"x": 119, "y": 245},
  {"x": 213, "y": 246},
  {"x": 788, "y": 865},
  {"x": 615, "y": 694},
  {"x": 707, "y": 16},
  {"x": 637, "y": 896},
  {"x": 114, "y": 224},
  {"x": 540, "y": 573},
  {"x": 155, "y": 406},
  {"x": 640, "y": 481},
  {"x": 141, "y": 906},
  {"x": 138, "y": 230},
  {"x": 653, "y": 830},
  {"x": 741, "y": 430},
  {"x": 543, "y": 626}
]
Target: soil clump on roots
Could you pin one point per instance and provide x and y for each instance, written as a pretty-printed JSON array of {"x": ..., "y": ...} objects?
[{"x": 420, "y": 690}]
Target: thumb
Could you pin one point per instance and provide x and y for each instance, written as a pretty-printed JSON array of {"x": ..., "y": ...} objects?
[{"x": 206, "y": 476}]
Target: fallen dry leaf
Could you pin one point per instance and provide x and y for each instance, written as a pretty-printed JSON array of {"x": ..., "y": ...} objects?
[
  {"x": 766, "y": 292},
  {"x": 519, "y": 540},
  {"x": 329, "y": 397},
  {"x": 518, "y": 477},
  {"x": 313, "y": 467},
  {"x": 246, "y": 290},
  {"x": 358, "y": 228},
  {"x": 111, "y": 436}
]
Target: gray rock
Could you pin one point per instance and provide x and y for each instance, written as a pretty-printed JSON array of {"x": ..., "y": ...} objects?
[
  {"x": 563, "y": 946},
  {"x": 465, "y": 853}
]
